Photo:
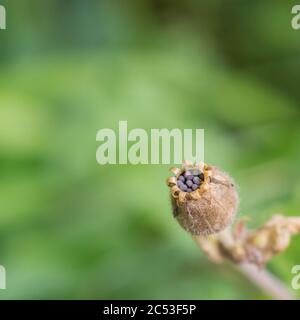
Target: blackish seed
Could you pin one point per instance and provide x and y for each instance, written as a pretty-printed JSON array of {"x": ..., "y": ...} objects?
[
  {"x": 196, "y": 180},
  {"x": 201, "y": 176},
  {"x": 189, "y": 177},
  {"x": 189, "y": 183},
  {"x": 183, "y": 187},
  {"x": 189, "y": 190},
  {"x": 187, "y": 173},
  {"x": 195, "y": 186},
  {"x": 181, "y": 178}
]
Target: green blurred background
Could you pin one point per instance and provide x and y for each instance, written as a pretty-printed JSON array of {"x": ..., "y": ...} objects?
[{"x": 72, "y": 229}]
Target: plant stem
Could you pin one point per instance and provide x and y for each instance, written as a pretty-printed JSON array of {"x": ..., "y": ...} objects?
[
  {"x": 262, "y": 278},
  {"x": 266, "y": 281}
]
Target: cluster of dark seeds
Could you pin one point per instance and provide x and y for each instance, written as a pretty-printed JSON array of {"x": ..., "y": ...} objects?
[{"x": 190, "y": 180}]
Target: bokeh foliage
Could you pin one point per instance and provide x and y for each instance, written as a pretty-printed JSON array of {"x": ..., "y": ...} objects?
[{"x": 70, "y": 228}]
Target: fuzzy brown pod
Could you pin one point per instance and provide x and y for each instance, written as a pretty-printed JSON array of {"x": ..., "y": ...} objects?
[{"x": 208, "y": 209}]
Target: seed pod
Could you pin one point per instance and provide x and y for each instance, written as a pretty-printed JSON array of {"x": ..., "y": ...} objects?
[{"x": 208, "y": 209}]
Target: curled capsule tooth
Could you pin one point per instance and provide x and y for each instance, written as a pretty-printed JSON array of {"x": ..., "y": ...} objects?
[
  {"x": 207, "y": 176},
  {"x": 182, "y": 197},
  {"x": 207, "y": 166},
  {"x": 171, "y": 181},
  {"x": 187, "y": 164},
  {"x": 175, "y": 192},
  {"x": 194, "y": 195},
  {"x": 208, "y": 173},
  {"x": 199, "y": 192},
  {"x": 204, "y": 187},
  {"x": 201, "y": 176},
  {"x": 176, "y": 171},
  {"x": 200, "y": 166}
]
